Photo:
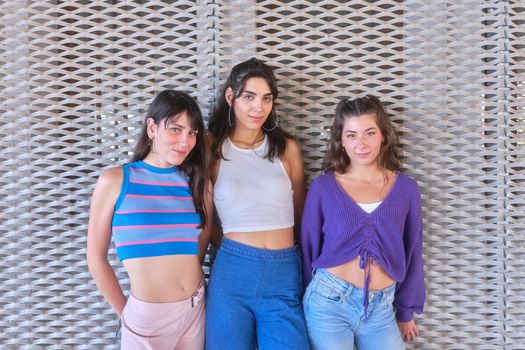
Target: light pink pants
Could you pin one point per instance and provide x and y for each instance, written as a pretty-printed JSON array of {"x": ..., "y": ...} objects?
[{"x": 164, "y": 326}]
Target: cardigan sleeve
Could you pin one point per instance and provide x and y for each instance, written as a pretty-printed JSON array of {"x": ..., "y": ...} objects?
[
  {"x": 311, "y": 227},
  {"x": 410, "y": 293}
]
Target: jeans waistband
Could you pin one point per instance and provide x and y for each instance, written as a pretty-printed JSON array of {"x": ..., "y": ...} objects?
[
  {"x": 246, "y": 251},
  {"x": 347, "y": 286}
]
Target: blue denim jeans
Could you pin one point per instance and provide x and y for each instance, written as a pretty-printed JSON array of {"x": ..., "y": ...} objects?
[
  {"x": 254, "y": 299},
  {"x": 335, "y": 317}
]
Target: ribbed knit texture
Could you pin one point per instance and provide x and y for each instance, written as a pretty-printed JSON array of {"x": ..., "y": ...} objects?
[
  {"x": 154, "y": 214},
  {"x": 335, "y": 230},
  {"x": 251, "y": 192}
]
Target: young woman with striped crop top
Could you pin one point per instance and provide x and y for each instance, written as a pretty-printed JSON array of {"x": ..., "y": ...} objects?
[
  {"x": 254, "y": 297},
  {"x": 157, "y": 210},
  {"x": 362, "y": 238}
]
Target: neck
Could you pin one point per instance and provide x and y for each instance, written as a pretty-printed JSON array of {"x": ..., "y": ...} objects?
[
  {"x": 365, "y": 173},
  {"x": 153, "y": 160},
  {"x": 247, "y": 137}
]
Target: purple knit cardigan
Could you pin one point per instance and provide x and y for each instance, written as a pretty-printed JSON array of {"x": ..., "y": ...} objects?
[{"x": 335, "y": 230}]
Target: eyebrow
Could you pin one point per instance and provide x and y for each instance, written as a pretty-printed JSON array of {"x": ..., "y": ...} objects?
[
  {"x": 371, "y": 128},
  {"x": 253, "y": 93},
  {"x": 174, "y": 123}
]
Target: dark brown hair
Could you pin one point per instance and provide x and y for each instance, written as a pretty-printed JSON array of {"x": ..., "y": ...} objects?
[
  {"x": 168, "y": 105},
  {"x": 337, "y": 159},
  {"x": 221, "y": 127}
]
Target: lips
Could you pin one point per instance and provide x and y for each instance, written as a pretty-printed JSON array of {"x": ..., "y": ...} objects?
[
  {"x": 180, "y": 153},
  {"x": 362, "y": 155},
  {"x": 256, "y": 119}
]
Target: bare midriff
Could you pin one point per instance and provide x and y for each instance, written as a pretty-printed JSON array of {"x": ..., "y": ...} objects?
[
  {"x": 351, "y": 273},
  {"x": 271, "y": 239},
  {"x": 164, "y": 279}
]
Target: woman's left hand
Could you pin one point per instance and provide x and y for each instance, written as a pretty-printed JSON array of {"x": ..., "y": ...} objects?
[{"x": 408, "y": 330}]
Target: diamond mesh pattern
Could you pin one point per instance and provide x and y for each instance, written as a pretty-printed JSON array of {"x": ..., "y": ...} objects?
[{"x": 78, "y": 75}]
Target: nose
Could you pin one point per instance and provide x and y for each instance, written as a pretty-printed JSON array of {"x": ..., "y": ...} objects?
[
  {"x": 360, "y": 141},
  {"x": 183, "y": 140},
  {"x": 257, "y": 104}
]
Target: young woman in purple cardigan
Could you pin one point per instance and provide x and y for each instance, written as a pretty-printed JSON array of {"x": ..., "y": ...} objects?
[{"x": 362, "y": 237}]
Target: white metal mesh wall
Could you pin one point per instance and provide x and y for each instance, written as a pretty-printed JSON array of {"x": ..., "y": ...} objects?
[{"x": 78, "y": 75}]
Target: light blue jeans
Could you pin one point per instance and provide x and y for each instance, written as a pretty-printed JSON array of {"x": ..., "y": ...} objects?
[
  {"x": 254, "y": 300},
  {"x": 335, "y": 318}
]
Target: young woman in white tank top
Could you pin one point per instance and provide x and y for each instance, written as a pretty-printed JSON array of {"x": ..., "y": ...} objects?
[{"x": 257, "y": 172}]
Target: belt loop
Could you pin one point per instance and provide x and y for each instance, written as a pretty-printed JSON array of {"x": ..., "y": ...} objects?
[
  {"x": 194, "y": 296},
  {"x": 314, "y": 270}
]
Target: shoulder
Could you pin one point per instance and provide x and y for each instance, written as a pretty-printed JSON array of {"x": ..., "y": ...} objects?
[
  {"x": 111, "y": 177},
  {"x": 293, "y": 150},
  {"x": 292, "y": 160},
  {"x": 409, "y": 189},
  {"x": 108, "y": 186},
  {"x": 408, "y": 182},
  {"x": 321, "y": 182}
]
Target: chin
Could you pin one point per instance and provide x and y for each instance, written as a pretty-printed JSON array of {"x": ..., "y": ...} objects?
[{"x": 177, "y": 162}]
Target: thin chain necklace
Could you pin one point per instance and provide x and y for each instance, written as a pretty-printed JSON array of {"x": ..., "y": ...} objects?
[
  {"x": 244, "y": 144},
  {"x": 367, "y": 181}
]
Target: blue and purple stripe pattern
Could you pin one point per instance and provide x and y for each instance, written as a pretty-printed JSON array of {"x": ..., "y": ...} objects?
[{"x": 154, "y": 214}]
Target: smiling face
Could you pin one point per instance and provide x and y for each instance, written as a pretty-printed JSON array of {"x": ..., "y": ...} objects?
[
  {"x": 254, "y": 104},
  {"x": 172, "y": 141},
  {"x": 362, "y": 140}
]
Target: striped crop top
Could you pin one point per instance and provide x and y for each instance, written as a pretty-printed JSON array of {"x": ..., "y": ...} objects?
[{"x": 154, "y": 214}]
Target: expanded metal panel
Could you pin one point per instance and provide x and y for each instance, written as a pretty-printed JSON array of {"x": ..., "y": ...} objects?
[
  {"x": 77, "y": 77},
  {"x": 514, "y": 210},
  {"x": 424, "y": 59}
]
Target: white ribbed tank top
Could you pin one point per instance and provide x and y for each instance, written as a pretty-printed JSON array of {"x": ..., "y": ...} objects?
[{"x": 252, "y": 193}]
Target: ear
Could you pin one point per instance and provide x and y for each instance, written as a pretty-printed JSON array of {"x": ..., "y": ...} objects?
[
  {"x": 151, "y": 128},
  {"x": 228, "y": 95}
]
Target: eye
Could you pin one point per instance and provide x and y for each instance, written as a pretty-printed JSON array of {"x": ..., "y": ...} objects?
[
  {"x": 194, "y": 132},
  {"x": 268, "y": 98},
  {"x": 175, "y": 129},
  {"x": 370, "y": 133},
  {"x": 247, "y": 97}
]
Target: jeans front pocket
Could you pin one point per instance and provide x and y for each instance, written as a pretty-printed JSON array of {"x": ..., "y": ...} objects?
[{"x": 325, "y": 290}]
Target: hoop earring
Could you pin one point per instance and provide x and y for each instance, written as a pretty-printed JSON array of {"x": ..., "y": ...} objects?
[
  {"x": 276, "y": 122},
  {"x": 230, "y": 117}
]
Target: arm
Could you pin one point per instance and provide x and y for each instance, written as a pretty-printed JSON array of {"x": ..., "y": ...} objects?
[
  {"x": 204, "y": 237},
  {"x": 311, "y": 232},
  {"x": 410, "y": 293},
  {"x": 293, "y": 161},
  {"x": 99, "y": 237}
]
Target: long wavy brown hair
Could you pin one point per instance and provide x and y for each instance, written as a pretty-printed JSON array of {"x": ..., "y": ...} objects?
[{"x": 336, "y": 159}]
